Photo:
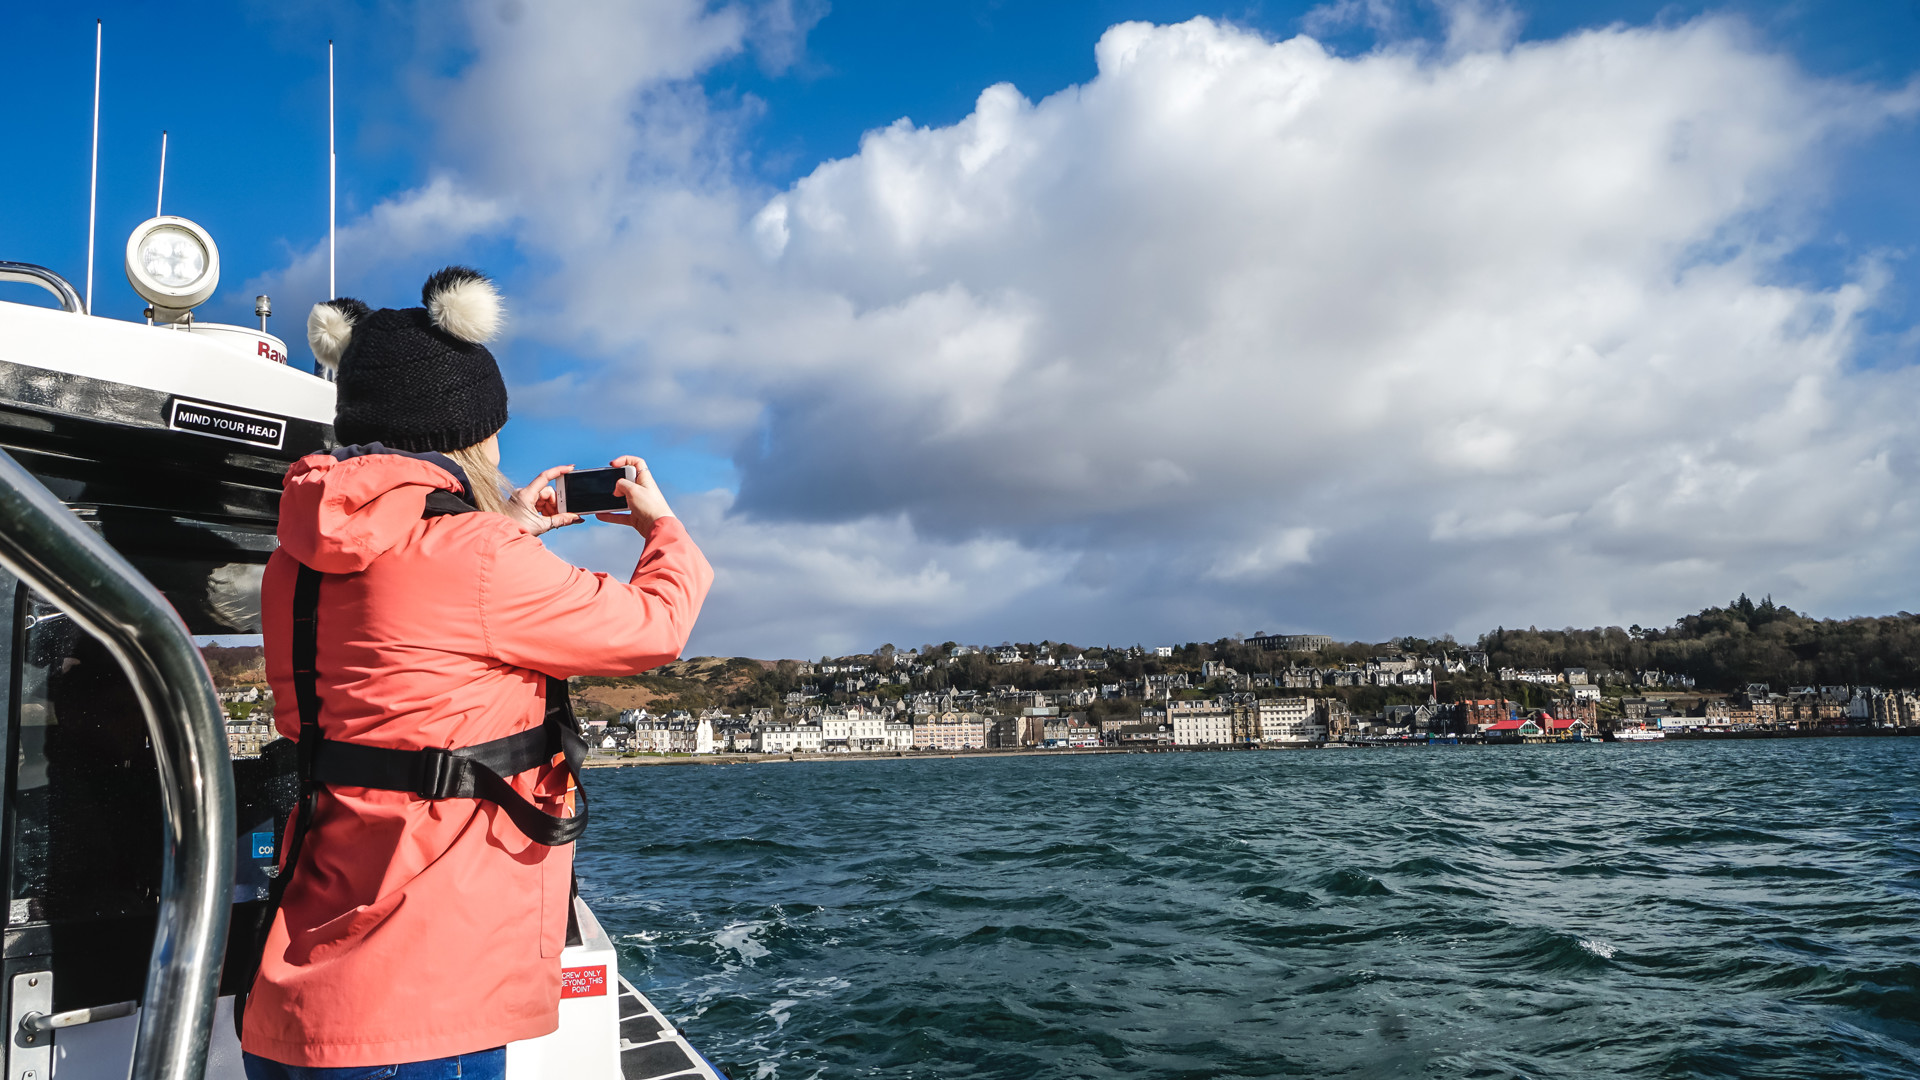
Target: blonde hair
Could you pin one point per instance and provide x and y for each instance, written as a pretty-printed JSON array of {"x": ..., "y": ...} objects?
[{"x": 490, "y": 486}]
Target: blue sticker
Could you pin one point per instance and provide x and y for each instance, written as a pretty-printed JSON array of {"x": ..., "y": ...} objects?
[{"x": 263, "y": 845}]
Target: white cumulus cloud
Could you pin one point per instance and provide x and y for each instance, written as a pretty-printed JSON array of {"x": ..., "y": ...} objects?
[{"x": 1240, "y": 332}]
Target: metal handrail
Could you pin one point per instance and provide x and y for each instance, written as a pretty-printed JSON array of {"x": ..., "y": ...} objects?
[
  {"x": 30, "y": 274},
  {"x": 48, "y": 547}
]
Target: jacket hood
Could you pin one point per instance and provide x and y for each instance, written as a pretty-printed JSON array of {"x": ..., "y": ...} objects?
[{"x": 341, "y": 511}]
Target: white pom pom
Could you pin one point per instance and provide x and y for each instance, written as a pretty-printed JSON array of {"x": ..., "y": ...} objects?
[
  {"x": 466, "y": 307},
  {"x": 329, "y": 329}
]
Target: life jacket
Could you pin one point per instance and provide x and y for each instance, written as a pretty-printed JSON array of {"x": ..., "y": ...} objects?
[{"x": 468, "y": 772}]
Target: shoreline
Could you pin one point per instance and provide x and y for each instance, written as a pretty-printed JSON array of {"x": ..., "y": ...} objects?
[
  {"x": 597, "y": 761},
  {"x": 594, "y": 762}
]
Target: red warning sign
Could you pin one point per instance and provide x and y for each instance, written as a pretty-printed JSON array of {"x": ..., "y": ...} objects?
[{"x": 583, "y": 982}]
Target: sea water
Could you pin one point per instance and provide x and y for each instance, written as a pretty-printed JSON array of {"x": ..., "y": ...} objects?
[{"x": 1744, "y": 909}]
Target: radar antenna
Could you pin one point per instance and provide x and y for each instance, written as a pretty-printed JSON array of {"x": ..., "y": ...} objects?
[
  {"x": 332, "y": 162},
  {"x": 93, "y": 186}
]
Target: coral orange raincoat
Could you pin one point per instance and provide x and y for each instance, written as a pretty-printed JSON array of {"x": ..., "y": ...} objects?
[{"x": 416, "y": 929}]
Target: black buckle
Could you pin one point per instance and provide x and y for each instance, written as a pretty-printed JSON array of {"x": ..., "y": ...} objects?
[{"x": 439, "y": 775}]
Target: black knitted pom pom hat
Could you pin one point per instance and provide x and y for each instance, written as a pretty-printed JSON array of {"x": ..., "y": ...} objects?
[{"x": 415, "y": 378}]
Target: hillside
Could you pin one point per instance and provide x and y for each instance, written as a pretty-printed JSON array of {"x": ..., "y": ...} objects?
[
  {"x": 240, "y": 665},
  {"x": 696, "y": 683},
  {"x": 693, "y": 684},
  {"x": 735, "y": 683},
  {"x": 1721, "y": 648},
  {"x": 1725, "y": 648}
]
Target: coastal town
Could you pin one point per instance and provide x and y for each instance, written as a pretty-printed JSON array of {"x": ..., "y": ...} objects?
[{"x": 1260, "y": 691}]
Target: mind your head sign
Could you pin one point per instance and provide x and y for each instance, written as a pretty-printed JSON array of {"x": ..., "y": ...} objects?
[{"x": 224, "y": 422}]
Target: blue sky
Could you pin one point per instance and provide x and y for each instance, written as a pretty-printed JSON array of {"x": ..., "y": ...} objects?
[{"x": 741, "y": 108}]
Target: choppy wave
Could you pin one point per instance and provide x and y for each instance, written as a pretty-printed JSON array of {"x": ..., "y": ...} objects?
[{"x": 1571, "y": 911}]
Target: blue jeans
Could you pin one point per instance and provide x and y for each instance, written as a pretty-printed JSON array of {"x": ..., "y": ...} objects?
[{"x": 485, "y": 1065}]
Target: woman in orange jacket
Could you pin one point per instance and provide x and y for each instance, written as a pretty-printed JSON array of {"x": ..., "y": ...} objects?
[{"x": 417, "y": 936}]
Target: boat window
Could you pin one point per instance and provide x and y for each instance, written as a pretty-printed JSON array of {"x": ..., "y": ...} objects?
[{"x": 86, "y": 794}]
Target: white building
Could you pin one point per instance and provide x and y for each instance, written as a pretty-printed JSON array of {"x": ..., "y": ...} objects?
[
  {"x": 787, "y": 739},
  {"x": 1201, "y": 723},
  {"x": 860, "y": 731},
  {"x": 1288, "y": 720}
]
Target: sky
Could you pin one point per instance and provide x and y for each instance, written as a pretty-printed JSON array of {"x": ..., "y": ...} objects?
[{"x": 1104, "y": 322}]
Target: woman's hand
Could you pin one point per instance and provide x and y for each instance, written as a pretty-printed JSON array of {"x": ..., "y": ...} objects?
[
  {"x": 533, "y": 506},
  {"x": 645, "y": 504}
]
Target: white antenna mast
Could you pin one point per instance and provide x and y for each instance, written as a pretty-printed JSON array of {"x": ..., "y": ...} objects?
[
  {"x": 93, "y": 186},
  {"x": 163, "y": 173},
  {"x": 332, "y": 163}
]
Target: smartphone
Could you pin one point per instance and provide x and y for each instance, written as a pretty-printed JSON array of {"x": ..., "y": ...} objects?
[{"x": 590, "y": 491}]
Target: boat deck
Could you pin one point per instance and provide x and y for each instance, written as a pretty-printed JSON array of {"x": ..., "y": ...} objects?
[{"x": 651, "y": 1048}]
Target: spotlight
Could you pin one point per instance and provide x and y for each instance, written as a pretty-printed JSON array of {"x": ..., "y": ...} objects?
[{"x": 173, "y": 264}]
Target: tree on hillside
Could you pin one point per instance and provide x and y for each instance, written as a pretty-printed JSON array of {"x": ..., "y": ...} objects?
[{"x": 1725, "y": 648}]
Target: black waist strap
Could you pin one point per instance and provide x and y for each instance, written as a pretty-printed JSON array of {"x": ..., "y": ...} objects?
[
  {"x": 470, "y": 772},
  {"x": 430, "y": 774}
]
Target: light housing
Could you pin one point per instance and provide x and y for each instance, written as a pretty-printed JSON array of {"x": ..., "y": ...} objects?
[{"x": 173, "y": 264}]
